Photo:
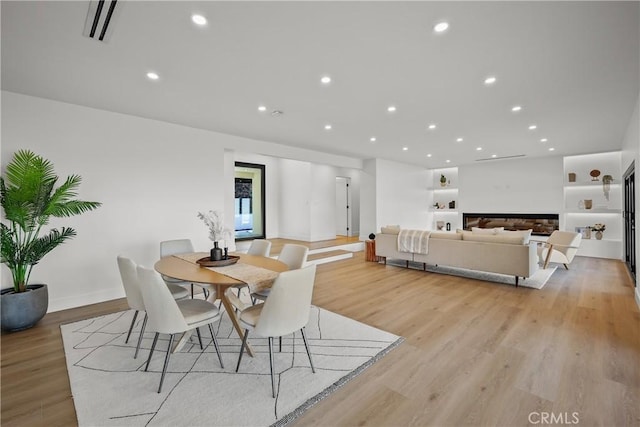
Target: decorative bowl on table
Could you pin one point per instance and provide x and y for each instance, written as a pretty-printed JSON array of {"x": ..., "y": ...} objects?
[{"x": 208, "y": 262}]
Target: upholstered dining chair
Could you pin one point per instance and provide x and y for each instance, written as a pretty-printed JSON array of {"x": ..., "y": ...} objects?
[
  {"x": 132, "y": 291},
  {"x": 295, "y": 256},
  {"x": 284, "y": 312},
  {"x": 260, "y": 247},
  {"x": 167, "y": 316},
  {"x": 174, "y": 247},
  {"x": 560, "y": 247}
]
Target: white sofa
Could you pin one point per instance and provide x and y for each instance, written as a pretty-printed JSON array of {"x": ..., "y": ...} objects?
[{"x": 505, "y": 252}]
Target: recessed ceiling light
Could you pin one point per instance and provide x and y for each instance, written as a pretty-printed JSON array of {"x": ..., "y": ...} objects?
[
  {"x": 448, "y": 161},
  {"x": 459, "y": 140},
  {"x": 432, "y": 126},
  {"x": 493, "y": 156},
  {"x": 405, "y": 148},
  {"x": 490, "y": 80},
  {"x": 152, "y": 76},
  {"x": 199, "y": 20},
  {"x": 478, "y": 148},
  {"x": 429, "y": 155},
  {"x": 327, "y": 127},
  {"x": 391, "y": 108},
  {"x": 551, "y": 149},
  {"x": 544, "y": 140},
  {"x": 533, "y": 127},
  {"x": 325, "y": 80},
  {"x": 262, "y": 108},
  {"x": 372, "y": 139},
  {"x": 516, "y": 108},
  {"x": 441, "y": 27}
]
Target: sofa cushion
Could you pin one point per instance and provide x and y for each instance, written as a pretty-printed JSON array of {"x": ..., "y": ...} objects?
[
  {"x": 390, "y": 229},
  {"x": 443, "y": 235},
  {"x": 494, "y": 230},
  {"x": 526, "y": 234},
  {"x": 506, "y": 238}
]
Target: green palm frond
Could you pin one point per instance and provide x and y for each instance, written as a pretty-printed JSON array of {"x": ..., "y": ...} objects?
[{"x": 41, "y": 246}]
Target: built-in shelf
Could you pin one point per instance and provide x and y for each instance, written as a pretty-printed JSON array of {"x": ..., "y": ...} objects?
[
  {"x": 607, "y": 205},
  {"x": 443, "y": 195}
]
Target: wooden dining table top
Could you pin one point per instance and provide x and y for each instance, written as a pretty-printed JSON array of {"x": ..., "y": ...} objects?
[{"x": 179, "y": 268}]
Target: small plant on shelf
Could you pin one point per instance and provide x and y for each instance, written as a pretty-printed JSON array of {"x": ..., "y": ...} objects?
[
  {"x": 598, "y": 228},
  {"x": 443, "y": 180}
]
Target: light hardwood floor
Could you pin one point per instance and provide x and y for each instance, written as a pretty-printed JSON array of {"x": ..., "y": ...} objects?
[{"x": 475, "y": 353}]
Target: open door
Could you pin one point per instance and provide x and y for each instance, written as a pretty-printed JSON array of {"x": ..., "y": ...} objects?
[{"x": 343, "y": 211}]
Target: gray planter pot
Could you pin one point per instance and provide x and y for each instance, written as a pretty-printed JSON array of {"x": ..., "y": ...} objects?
[{"x": 23, "y": 310}]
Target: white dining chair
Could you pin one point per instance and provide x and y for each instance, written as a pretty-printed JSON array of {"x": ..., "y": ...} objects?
[
  {"x": 175, "y": 247},
  {"x": 294, "y": 256},
  {"x": 129, "y": 277},
  {"x": 284, "y": 312},
  {"x": 260, "y": 247},
  {"x": 167, "y": 316}
]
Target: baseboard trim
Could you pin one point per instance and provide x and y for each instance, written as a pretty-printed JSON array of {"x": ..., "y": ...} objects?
[{"x": 59, "y": 304}]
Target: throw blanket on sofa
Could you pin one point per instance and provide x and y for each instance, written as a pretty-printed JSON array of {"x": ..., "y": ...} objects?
[{"x": 416, "y": 241}]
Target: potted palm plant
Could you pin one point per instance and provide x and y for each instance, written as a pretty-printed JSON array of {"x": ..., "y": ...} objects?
[{"x": 29, "y": 198}]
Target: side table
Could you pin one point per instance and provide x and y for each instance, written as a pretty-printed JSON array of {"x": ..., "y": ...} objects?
[{"x": 371, "y": 251}]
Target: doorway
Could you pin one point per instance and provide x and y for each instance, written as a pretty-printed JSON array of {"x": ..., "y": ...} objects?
[
  {"x": 629, "y": 216},
  {"x": 249, "y": 201},
  {"x": 343, "y": 206}
]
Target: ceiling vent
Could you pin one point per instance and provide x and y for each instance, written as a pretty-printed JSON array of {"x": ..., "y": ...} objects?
[
  {"x": 501, "y": 158},
  {"x": 100, "y": 19}
]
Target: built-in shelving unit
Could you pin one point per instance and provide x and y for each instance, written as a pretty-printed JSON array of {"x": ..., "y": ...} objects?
[
  {"x": 443, "y": 196},
  {"x": 606, "y": 202}
]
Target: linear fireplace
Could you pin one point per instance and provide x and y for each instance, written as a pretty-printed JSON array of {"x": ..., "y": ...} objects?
[{"x": 541, "y": 224}]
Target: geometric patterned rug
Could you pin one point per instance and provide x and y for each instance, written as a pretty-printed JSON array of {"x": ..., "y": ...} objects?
[
  {"x": 536, "y": 281},
  {"x": 110, "y": 387}
]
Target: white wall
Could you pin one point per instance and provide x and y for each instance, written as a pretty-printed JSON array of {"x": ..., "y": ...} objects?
[
  {"x": 368, "y": 218},
  {"x": 323, "y": 203},
  {"x": 631, "y": 153},
  {"x": 512, "y": 186},
  {"x": 295, "y": 199},
  {"x": 152, "y": 178},
  {"x": 401, "y": 195}
]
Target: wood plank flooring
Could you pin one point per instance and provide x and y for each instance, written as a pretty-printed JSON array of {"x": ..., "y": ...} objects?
[{"x": 475, "y": 353}]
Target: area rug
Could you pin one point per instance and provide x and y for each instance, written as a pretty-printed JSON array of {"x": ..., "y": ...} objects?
[
  {"x": 536, "y": 281},
  {"x": 110, "y": 387}
]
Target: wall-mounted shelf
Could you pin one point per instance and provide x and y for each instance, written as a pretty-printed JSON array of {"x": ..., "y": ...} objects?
[{"x": 444, "y": 195}]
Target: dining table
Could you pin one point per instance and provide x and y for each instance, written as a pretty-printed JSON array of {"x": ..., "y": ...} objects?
[{"x": 186, "y": 267}]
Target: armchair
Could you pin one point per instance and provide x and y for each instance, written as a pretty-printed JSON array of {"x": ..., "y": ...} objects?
[{"x": 560, "y": 247}]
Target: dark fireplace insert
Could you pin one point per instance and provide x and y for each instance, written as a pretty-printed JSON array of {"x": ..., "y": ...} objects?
[{"x": 541, "y": 224}]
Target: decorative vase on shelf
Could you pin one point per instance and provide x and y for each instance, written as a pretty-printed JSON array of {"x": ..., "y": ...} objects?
[
  {"x": 443, "y": 181},
  {"x": 572, "y": 177},
  {"x": 216, "y": 252},
  {"x": 599, "y": 235}
]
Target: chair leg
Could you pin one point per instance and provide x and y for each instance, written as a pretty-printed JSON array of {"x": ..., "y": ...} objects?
[
  {"x": 306, "y": 345},
  {"x": 273, "y": 380},
  {"x": 199, "y": 338},
  {"x": 566, "y": 266},
  {"x": 133, "y": 321},
  {"x": 215, "y": 344},
  {"x": 153, "y": 347},
  {"x": 280, "y": 344},
  {"x": 144, "y": 325},
  {"x": 166, "y": 362},
  {"x": 244, "y": 344},
  {"x": 192, "y": 291}
]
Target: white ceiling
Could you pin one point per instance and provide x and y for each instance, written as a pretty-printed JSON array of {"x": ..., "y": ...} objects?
[{"x": 573, "y": 66}]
